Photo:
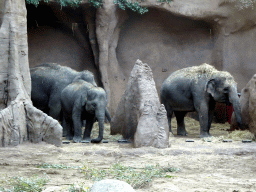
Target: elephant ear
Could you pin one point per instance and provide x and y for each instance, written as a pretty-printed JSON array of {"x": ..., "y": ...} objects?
[
  {"x": 210, "y": 87},
  {"x": 83, "y": 99}
]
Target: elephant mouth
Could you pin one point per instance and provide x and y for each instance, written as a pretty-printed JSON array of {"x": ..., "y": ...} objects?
[{"x": 91, "y": 111}]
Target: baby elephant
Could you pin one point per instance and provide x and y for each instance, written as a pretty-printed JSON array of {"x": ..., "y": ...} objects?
[{"x": 82, "y": 101}]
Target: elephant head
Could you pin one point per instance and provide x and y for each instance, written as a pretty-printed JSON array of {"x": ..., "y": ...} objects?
[
  {"x": 223, "y": 89},
  {"x": 96, "y": 104},
  {"x": 86, "y": 76}
]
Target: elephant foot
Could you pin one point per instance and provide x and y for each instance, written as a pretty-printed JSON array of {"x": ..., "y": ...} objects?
[
  {"x": 182, "y": 133},
  {"x": 98, "y": 140},
  {"x": 205, "y": 134},
  {"x": 69, "y": 137},
  {"x": 77, "y": 139},
  {"x": 87, "y": 139}
]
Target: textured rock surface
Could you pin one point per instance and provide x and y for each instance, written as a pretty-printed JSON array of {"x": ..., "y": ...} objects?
[
  {"x": 169, "y": 37},
  {"x": 248, "y": 107},
  {"x": 252, "y": 105},
  {"x": 152, "y": 129},
  {"x": 19, "y": 120},
  {"x": 111, "y": 185},
  {"x": 42, "y": 127},
  {"x": 139, "y": 116}
]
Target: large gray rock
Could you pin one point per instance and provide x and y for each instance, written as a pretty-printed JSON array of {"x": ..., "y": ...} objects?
[
  {"x": 248, "y": 107},
  {"x": 139, "y": 116},
  {"x": 111, "y": 185}
]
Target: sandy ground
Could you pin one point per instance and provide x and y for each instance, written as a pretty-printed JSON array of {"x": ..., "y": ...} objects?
[{"x": 204, "y": 166}]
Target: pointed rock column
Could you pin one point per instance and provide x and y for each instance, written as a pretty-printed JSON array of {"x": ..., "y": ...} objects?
[{"x": 139, "y": 115}]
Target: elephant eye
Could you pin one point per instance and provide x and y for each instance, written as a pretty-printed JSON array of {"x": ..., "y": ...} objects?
[
  {"x": 94, "y": 105},
  {"x": 225, "y": 90}
]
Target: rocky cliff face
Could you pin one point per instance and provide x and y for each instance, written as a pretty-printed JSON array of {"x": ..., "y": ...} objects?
[
  {"x": 168, "y": 37},
  {"x": 19, "y": 120}
]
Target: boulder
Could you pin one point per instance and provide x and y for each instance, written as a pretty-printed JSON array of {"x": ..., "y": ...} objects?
[
  {"x": 248, "y": 107},
  {"x": 252, "y": 105},
  {"x": 111, "y": 185},
  {"x": 139, "y": 116}
]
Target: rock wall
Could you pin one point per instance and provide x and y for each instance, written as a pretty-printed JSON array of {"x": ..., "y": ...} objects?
[
  {"x": 60, "y": 36},
  {"x": 248, "y": 107},
  {"x": 19, "y": 120},
  {"x": 168, "y": 37}
]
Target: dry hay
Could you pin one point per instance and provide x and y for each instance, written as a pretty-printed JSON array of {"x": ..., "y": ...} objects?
[
  {"x": 239, "y": 135},
  {"x": 219, "y": 131},
  {"x": 205, "y": 71}
]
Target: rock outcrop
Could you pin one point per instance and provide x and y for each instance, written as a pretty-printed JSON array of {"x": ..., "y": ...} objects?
[
  {"x": 139, "y": 116},
  {"x": 111, "y": 185},
  {"x": 248, "y": 107},
  {"x": 170, "y": 36},
  {"x": 19, "y": 120}
]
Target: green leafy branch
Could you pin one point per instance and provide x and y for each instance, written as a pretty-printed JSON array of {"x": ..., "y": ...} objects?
[
  {"x": 72, "y": 3},
  {"x": 96, "y": 3},
  {"x": 165, "y": 1},
  {"x": 133, "y": 6}
]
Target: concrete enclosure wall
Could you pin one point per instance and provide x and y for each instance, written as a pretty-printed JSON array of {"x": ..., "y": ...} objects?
[
  {"x": 168, "y": 37},
  {"x": 165, "y": 42}
]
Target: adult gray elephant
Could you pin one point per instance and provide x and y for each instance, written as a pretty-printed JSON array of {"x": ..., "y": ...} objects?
[
  {"x": 48, "y": 81},
  {"x": 197, "y": 89},
  {"x": 82, "y": 101}
]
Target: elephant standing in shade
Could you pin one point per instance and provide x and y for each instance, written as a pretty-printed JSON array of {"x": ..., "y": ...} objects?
[
  {"x": 82, "y": 101},
  {"x": 48, "y": 81},
  {"x": 197, "y": 89}
]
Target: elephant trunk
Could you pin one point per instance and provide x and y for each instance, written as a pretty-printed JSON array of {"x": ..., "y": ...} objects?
[
  {"x": 108, "y": 115},
  {"x": 234, "y": 99},
  {"x": 100, "y": 115}
]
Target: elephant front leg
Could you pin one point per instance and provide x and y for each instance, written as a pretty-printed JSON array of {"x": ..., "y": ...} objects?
[
  {"x": 67, "y": 126},
  {"x": 77, "y": 124},
  {"x": 210, "y": 117},
  {"x": 212, "y": 104},
  {"x": 204, "y": 121},
  {"x": 88, "y": 129}
]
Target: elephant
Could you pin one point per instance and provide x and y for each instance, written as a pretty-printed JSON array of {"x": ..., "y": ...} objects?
[
  {"x": 198, "y": 88},
  {"x": 82, "y": 101},
  {"x": 48, "y": 81}
]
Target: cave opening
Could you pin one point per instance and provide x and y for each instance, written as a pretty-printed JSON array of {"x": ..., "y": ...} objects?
[{"x": 60, "y": 35}]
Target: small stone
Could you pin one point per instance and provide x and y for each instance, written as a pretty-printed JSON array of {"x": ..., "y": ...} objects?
[
  {"x": 227, "y": 140},
  {"x": 85, "y": 141},
  {"x": 66, "y": 142},
  {"x": 190, "y": 140},
  {"x": 105, "y": 141},
  {"x": 111, "y": 185},
  {"x": 246, "y": 141},
  {"x": 123, "y": 141}
]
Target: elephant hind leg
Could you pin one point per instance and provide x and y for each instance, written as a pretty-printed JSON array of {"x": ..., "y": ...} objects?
[
  {"x": 54, "y": 106},
  {"x": 169, "y": 116},
  {"x": 67, "y": 126},
  {"x": 180, "y": 122}
]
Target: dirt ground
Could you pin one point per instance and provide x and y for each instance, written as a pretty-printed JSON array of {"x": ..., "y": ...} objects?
[{"x": 204, "y": 166}]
